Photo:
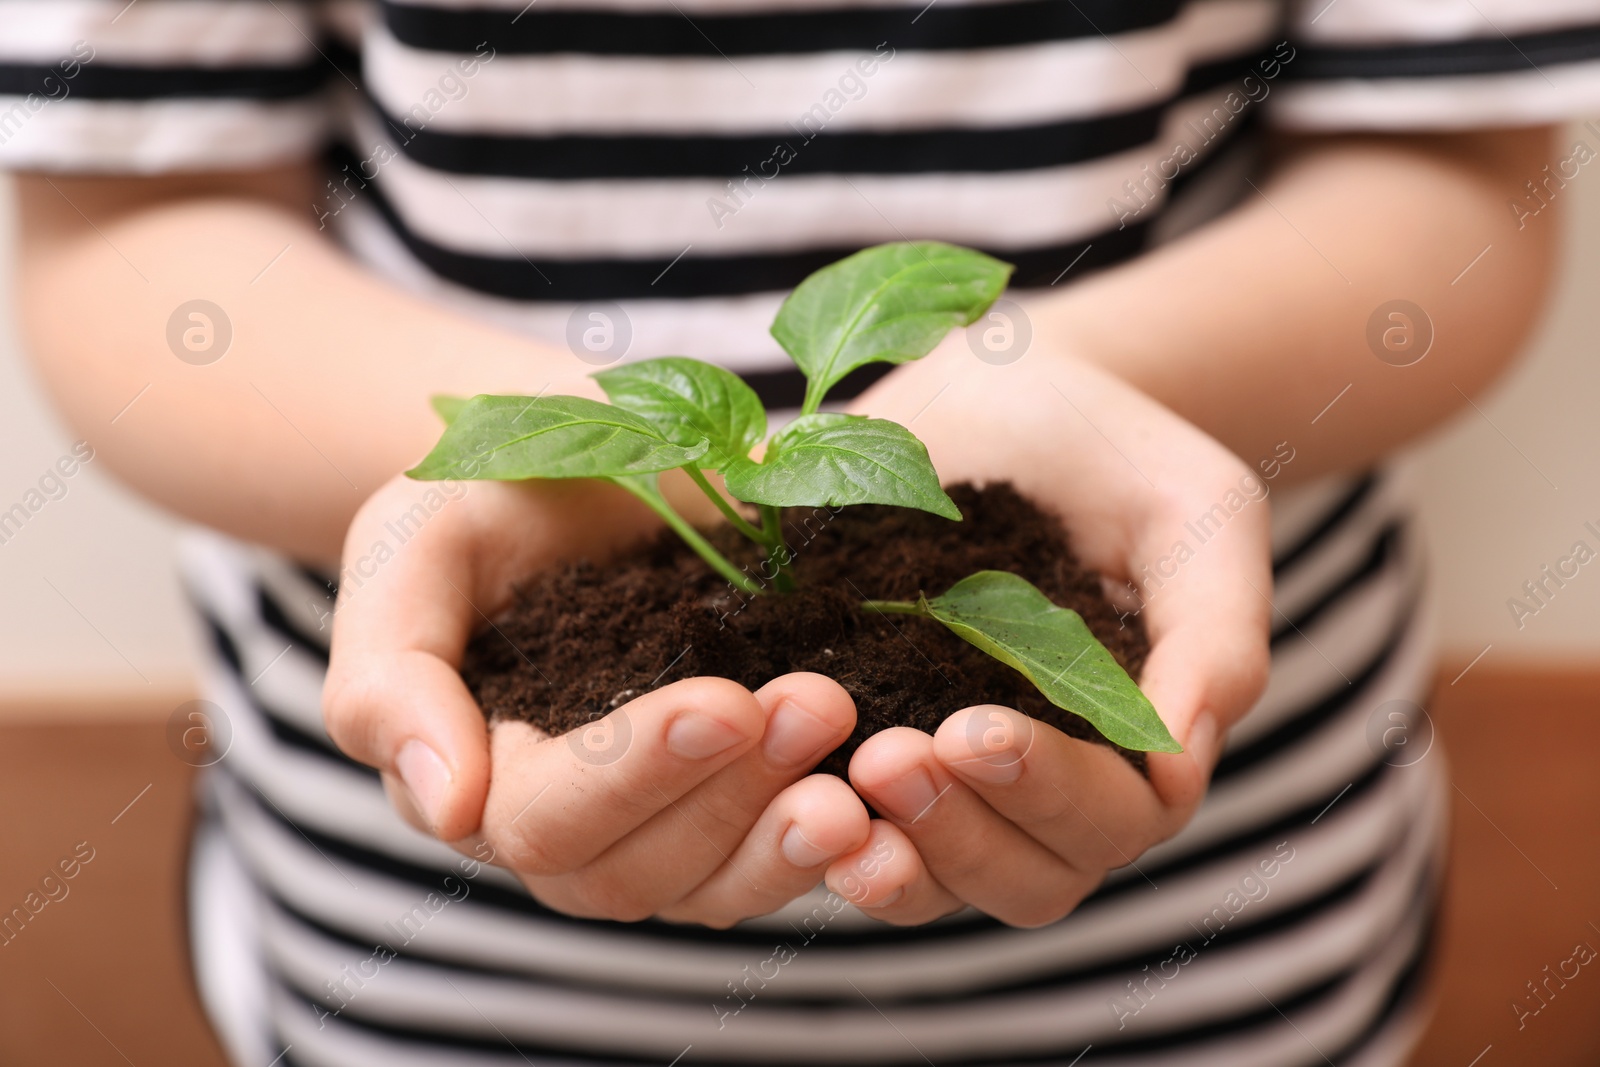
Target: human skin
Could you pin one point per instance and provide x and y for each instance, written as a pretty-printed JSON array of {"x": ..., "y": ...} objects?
[{"x": 1246, "y": 328}]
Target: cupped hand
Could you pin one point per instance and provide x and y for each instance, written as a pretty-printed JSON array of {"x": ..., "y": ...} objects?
[
  {"x": 693, "y": 803},
  {"x": 1002, "y": 812}
]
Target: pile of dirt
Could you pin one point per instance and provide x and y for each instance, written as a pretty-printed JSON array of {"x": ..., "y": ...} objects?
[{"x": 588, "y": 638}]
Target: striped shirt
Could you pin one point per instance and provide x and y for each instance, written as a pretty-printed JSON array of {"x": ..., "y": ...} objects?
[{"x": 633, "y": 178}]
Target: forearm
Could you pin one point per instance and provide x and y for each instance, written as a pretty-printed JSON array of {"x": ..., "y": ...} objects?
[
  {"x": 1253, "y": 325},
  {"x": 322, "y": 393}
]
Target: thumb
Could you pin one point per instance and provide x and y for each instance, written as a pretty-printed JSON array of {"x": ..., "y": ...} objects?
[
  {"x": 409, "y": 715},
  {"x": 1201, "y": 678}
]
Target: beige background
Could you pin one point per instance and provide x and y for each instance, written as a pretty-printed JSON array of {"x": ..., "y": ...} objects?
[{"x": 89, "y": 601}]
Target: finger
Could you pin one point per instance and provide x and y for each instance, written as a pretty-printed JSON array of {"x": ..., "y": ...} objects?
[
  {"x": 555, "y": 804},
  {"x": 472, "y": 846},
  {"x": 886, "y": 879},
  {"x": 1209, "y": 625},
  {"x": 1207, "y": 666},
  {"x": 1081, "y": 800},
  {"x": 806, "y": 827},
  {"x": 392, "y": 698},
  {"x": 807, "y": 716},
  {"x": 409, "y": 714},
  {"x": 1180, "y": 679},
  {"x": 973, "y": 851},
  {"x": 405, "y": 805}
]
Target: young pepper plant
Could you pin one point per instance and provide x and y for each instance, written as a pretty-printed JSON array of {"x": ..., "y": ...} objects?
[{"x": 888, "y": 304}]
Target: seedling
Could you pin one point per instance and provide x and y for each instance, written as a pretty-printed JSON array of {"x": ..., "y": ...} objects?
[{"x": 888, "y": 304}]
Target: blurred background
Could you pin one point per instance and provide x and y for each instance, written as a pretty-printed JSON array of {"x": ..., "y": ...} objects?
[{"x": 96, "y": 653}]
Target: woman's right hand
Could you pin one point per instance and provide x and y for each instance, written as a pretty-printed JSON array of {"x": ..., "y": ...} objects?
[{"x": 703, "y": 809}]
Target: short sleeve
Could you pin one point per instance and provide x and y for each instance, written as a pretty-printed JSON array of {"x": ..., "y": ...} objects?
[
  {"x": 157, "y": 86},
  {"x": 1438, "y": 64}
]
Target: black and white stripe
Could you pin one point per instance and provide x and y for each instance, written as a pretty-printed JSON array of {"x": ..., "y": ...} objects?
[
  {"x": 1389, "y": 66},
  {"x": 500, "y": 201},
  {"x": 756, "y": 32}
]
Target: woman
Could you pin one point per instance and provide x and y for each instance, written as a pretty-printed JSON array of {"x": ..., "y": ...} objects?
[{"x": 279, "y": 227}]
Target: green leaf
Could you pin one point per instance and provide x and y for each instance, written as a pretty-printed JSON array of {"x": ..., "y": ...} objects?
[
  {"x": 515, "y": 437},
  {"x": 1015, "y": 623},
  {"x": 448, "y": 407},
  {"x": 688, "y": 400},
  {"x": 891, "y": 303},
  {"x": 831, "y": 459}
]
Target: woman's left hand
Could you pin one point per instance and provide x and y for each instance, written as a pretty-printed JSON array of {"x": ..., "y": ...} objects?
[{"x": 1002, "y": 812}]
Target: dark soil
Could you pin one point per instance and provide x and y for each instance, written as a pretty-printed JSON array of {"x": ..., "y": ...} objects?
[{"x": 602, "y": 635}]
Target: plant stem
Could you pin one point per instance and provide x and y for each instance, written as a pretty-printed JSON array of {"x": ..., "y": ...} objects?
[
  {"x": 739, "y": 522},
  {"x": 894, "y": 607},
  {"x": 772, "y": 524},
  {"x": 647, "y": 491},
  {"x": 718, "y": 561}
]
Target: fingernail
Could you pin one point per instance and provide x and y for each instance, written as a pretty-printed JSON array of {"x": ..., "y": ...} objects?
[
  {"x": 800, "y": 850},
  {"x": 993, "y": 770},
  {"x": 794, "y": 735},
  {"x": 426, "y": 776},
  {"x": 908, "y": 797},
  {"x": 697, "y": 737},
  {"x": 886, "y": 901}
]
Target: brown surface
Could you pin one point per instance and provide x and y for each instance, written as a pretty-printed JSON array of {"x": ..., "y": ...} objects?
[
  {"x": 663, "y": 614},
  {"x": 1523, "y": 750},
  {"x": 114, "y": 945},
  {"x": 101, "y": 976}
]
